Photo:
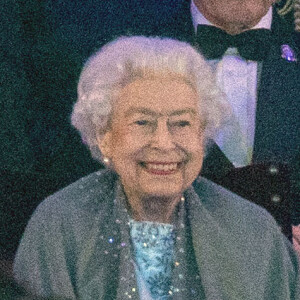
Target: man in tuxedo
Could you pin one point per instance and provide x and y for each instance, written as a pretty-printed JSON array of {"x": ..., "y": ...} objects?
[{"x": 255, "y": 155}]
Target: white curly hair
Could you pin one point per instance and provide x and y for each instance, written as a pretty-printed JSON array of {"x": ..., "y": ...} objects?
[{"x": 128, "y": 58}]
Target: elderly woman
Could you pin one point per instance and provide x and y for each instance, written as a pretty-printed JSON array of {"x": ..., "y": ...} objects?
[{"x": 139, "y": 229}]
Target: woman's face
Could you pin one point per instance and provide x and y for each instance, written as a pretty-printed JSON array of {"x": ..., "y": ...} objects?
[{"x": 155, "y": 142}]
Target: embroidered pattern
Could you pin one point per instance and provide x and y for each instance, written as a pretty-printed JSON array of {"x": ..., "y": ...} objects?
[{"x": 154, "y": 244}]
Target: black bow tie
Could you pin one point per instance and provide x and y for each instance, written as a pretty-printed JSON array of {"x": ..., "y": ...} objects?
[{"x": 252, "y": 44}]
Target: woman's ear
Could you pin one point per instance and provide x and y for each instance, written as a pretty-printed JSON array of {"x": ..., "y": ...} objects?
[{"x": 104, "y": 144}]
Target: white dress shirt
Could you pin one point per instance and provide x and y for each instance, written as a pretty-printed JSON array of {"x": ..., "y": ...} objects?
[{"x": 237, "y": 78}]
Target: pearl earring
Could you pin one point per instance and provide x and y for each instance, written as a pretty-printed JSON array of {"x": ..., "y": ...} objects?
[{"x": 106, "y": 160}]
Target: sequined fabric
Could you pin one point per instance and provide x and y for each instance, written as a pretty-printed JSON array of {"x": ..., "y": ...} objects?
[
  {"x": 182, "y": 277},
  {"x": 153, "y": 245}
]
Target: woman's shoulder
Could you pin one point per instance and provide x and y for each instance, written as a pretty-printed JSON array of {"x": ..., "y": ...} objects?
[
  {"x": 230, "y": 207},
  {"x": 100, "y": 181},
  {"x": 88, "y": 194}
]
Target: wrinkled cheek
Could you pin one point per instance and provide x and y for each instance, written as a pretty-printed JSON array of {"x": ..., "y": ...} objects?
[{"x": 125, "y": 170}]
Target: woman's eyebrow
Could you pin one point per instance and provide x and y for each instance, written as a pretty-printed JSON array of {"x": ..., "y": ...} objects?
[
  {"x": 183, "y": 111},
  {"x": 147, "y": 111},
  {"x": 141, "y": 110}
]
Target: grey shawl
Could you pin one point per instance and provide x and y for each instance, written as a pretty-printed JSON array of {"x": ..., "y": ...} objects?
[{"x": 229, "y": 249}]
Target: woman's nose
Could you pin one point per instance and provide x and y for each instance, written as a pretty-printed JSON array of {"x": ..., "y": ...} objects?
[{"x": 162, "y": 137}]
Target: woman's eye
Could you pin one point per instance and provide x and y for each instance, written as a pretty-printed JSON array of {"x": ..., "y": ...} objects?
[
  {"x": 142, "y": 122},
  {"x": 182, "y": 123}
]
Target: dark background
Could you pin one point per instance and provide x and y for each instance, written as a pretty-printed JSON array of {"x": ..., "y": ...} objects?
[{"x": 43, "y": 46}]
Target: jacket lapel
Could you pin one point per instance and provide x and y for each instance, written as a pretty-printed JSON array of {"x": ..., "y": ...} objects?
[
  {"x": 278, "y": 104},
  {"x": 215, "y": 164}
]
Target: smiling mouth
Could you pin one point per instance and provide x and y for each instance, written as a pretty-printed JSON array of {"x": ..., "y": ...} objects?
[{"x": 161, "y": 168}]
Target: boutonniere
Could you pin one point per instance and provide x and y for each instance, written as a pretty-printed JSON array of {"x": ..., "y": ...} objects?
[{"x": 288, "y": 53}]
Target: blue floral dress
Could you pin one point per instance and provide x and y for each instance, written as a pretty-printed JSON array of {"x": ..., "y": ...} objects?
[{"x": 153, "y": 245}]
